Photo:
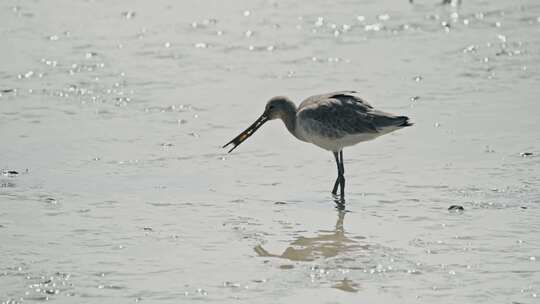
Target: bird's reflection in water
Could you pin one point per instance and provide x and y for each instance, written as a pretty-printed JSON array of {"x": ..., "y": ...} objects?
[
  {"x": 326, "y": 244},
  {"x": 346, "y": 285}
]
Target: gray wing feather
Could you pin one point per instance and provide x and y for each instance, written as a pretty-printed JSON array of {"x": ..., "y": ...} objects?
[
  {"x": 341, "y": 113},
  {"x": 340, "y": 95}
]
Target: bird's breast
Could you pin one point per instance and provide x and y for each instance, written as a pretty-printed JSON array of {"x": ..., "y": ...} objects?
[{"x": 329, "y": 138}]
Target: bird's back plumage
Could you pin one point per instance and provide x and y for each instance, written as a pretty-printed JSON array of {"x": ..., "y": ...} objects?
[{"x": 339, "y": 119}]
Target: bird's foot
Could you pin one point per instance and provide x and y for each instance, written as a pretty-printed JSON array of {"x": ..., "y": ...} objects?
[{"x": 340, "y": 202}]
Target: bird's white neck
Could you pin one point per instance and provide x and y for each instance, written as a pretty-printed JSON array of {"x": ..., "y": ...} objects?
[{"x": 289, "y": 119}]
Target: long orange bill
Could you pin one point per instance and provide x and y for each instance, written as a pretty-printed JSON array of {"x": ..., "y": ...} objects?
[{"x": 247, "y": 133}]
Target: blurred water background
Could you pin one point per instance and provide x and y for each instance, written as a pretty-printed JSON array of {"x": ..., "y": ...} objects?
[{"x": 115, "y": 189}]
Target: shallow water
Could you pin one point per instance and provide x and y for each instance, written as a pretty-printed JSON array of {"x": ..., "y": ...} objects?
[{"x": 113, "y": 116}]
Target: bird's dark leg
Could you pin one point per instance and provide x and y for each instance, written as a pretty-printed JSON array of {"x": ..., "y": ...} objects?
[
  {"x": 342, "y": 181},
  {"x": 336, "y": 184}
]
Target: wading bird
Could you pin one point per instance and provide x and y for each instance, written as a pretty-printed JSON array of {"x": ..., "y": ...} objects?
[{"x": 331, "y": 121}]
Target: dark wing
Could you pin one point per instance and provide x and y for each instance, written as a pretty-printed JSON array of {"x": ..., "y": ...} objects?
[
  {"x": 337, "y": 114},
  {"x": 341, "y": 95},
  {"x": 341, "y": 113}
]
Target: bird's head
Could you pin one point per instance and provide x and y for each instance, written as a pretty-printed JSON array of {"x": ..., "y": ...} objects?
[{"x": 277, "y": 107}]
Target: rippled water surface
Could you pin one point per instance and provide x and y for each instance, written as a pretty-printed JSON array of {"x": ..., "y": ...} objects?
[{"x": 115, "y": 189}]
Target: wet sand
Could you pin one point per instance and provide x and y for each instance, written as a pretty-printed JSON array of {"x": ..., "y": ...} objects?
[{"x": 112, "y": 118}]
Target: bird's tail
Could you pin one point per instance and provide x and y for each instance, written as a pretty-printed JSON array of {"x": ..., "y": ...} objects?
[{"x": 404, "y": 121}]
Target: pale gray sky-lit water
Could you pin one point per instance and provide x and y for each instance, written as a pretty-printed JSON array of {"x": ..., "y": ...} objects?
[{"x": 113, "y": 114}]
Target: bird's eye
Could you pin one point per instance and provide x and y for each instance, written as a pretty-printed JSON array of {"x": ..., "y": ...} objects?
[{"x": 270, "y": 107}]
